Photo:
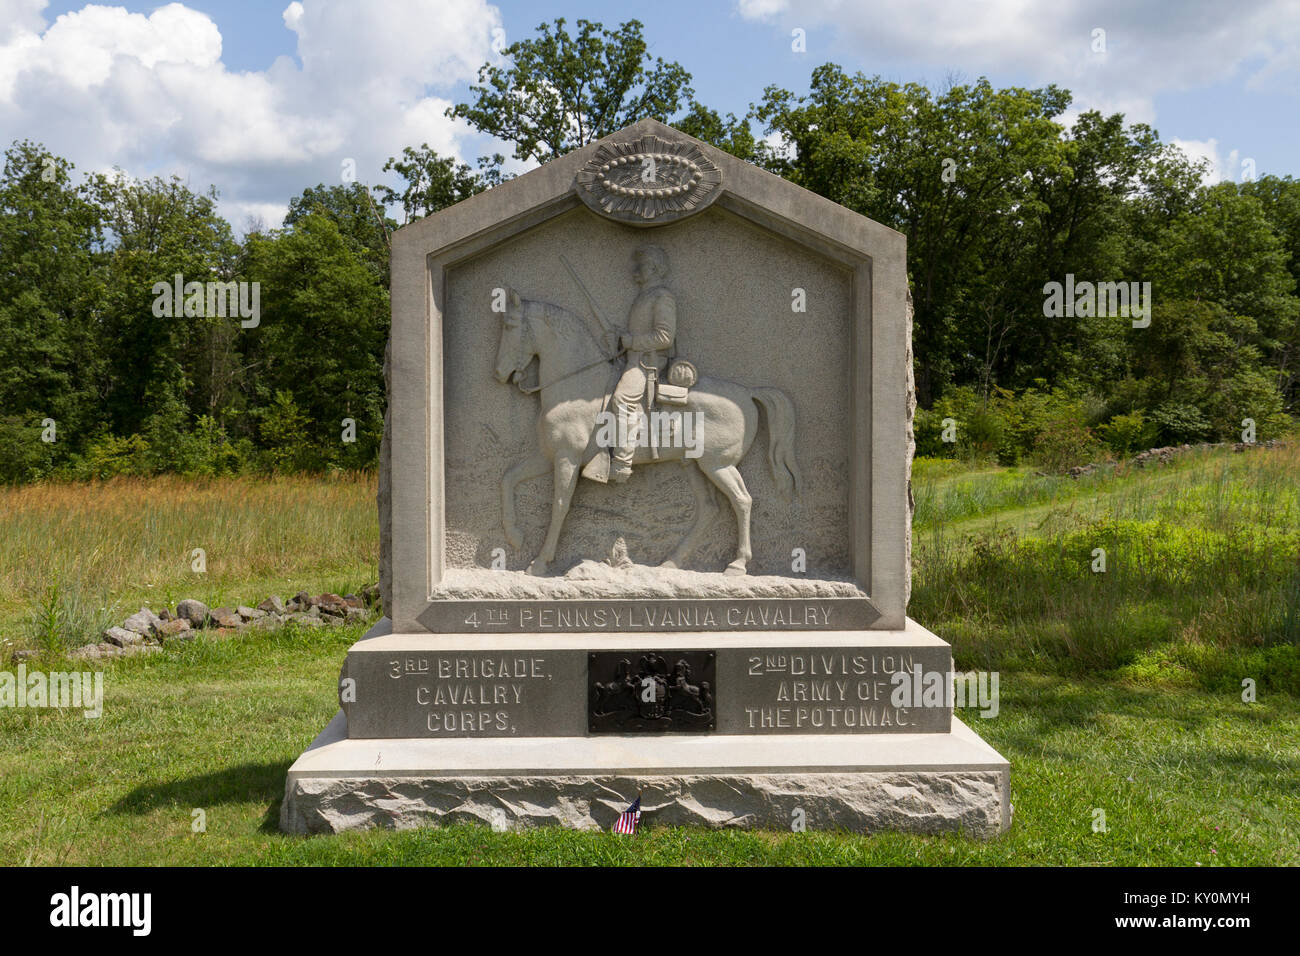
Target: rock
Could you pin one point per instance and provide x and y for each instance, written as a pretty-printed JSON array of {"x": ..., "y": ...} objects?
[
  {"x": 330, "y": 604},
  {"x": 94, "y": 652},
  {"x": 352, "y": 600},
  {"x": 307, "y": 620},
  {"x": 165, "y": 614},
  {"x": 142, "y": 622},
  {"x": 121, "y": 637},
  {"x": 270, "y": 622},
  {"x": 192, "y": 611},
  {"x": 146, "y": 648},
  {"x": 356, "y": 614},
  {"x": 370, "y": 594},
  {"x": 26, "y": 654},
  {"x": 272, "y": 605},
  {"x": 225, "y": 617},
  {"x": 249, "y": 613},
  {"x": 169, "y": 630},
  {"x": 299, "y": 602}
]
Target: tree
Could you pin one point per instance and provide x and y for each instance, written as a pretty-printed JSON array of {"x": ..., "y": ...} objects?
[
  {"x": 958, "y": 173},
  {"x": 1279, "y": 199},
  {"x": 727, "y": 133},
  {"x": 163, "y": 370},
  {"x": 560, "y": 92},
  {"x": 52, "y": 359},
  {"x": 321, "y": 342},
  {"x": 433, "y": 182},
  {"x": 360, "y": 220}
]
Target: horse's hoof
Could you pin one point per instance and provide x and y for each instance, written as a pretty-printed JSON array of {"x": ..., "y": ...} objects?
[
  {"x": 735, "y": 567},
  {"x": 537, "y": 568}
]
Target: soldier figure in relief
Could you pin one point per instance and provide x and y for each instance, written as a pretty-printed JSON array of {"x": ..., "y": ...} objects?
[
  {"x": 573, "y": 377},
  {"x": 651, "y": 330}
]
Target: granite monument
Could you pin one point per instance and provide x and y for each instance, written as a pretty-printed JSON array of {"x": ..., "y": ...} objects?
[{"x": 645, "y": 516}]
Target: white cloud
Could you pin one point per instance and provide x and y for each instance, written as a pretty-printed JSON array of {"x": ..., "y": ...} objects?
[
  {"x": 81, "y": 50},
  {"x": 1220, "y": 168},
  {"x": 777, "y": 142},
  {"x": 105, "y": 87},
  {"x": 761, "y": 9},
  {"x": 20, "y": 16},
  {"x": 1149, "y": 48}
]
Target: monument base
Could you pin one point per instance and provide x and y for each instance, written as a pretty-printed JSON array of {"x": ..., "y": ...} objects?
[{"x": 914, "y": 783}]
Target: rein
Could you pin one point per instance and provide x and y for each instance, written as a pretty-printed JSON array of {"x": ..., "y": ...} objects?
[{"x": 537, "y": 388}]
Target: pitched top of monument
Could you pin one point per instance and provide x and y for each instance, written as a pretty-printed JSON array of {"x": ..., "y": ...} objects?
[{"x": 647, "y": 175}]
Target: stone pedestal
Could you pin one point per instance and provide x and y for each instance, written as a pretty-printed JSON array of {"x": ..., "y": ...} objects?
[{"x": 512, "y": 750}]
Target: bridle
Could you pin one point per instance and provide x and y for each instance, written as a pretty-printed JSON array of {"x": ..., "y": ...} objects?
[{"x": 526, "y": 330}]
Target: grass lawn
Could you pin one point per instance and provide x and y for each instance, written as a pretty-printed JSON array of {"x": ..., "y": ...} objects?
[
  {"x": 1184, "y": 777},
  {"x": 1120, "y": 690}
]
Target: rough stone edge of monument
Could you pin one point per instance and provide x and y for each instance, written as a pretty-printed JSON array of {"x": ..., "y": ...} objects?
[
  {"x": 924, "y": 797},
  {"x": 909, "y": 402},
  {"x": 908, "y": 801}
]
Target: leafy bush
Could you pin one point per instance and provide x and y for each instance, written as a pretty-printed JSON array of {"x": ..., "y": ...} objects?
[
  {"x": 207, "y": 452},
  {"x": 976, "y": 431},
  {"x": 1065, "y": 444},
  {"x": 109, "y": 456},
  {"x": 284, "y": 430},
  {"x": 1180, "y": 424},
  {"x": 1006, "y": 426},
  {"x": 23, "y": 456},
  {"x": 985, "y": 430},
  {"x": 928, "y": 429},
  {"x": 1251, "y": 393},
  {"x": 1126, "y": 434}
]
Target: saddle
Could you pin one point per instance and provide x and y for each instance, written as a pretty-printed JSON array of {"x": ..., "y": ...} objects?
[{"x": 681, "y": 377}]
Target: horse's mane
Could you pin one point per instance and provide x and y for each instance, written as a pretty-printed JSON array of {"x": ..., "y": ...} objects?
[
  {"x": 550, "y": 313},
  {"x": 566, "y": 324}
]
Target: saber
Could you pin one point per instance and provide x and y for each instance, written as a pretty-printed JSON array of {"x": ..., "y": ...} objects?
[{"x": 606, "y": 328}]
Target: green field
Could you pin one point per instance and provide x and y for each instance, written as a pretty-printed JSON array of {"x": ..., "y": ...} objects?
[{"x": 1121, "y": 691}]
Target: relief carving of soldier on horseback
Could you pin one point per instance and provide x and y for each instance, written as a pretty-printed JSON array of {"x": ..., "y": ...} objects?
[{"x": 600, "y": 419}]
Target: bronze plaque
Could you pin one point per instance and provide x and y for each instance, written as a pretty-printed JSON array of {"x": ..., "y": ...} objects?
[{"x": 651, "y": 692}]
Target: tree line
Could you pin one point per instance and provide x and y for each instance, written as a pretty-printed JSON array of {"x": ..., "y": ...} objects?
[{"x": 998, "y": 197}]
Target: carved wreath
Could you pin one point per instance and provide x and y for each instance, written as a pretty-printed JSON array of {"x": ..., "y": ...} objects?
[{"x": 648, "y": 181}]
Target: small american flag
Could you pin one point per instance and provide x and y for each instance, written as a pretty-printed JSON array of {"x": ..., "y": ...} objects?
[{"x": 629, "y": 818}]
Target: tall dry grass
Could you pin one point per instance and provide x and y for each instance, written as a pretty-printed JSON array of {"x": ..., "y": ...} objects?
[{"x": 92, "y": 552}]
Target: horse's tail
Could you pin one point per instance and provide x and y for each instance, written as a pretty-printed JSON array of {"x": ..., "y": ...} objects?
[{"x": 780, "y": 437}]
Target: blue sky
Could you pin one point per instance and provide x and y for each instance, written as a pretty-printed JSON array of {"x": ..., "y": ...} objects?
[{"x": 264, "y": 98}]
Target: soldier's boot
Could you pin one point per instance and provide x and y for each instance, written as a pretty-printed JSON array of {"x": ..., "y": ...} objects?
[{"x": 620, "y": 456}]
